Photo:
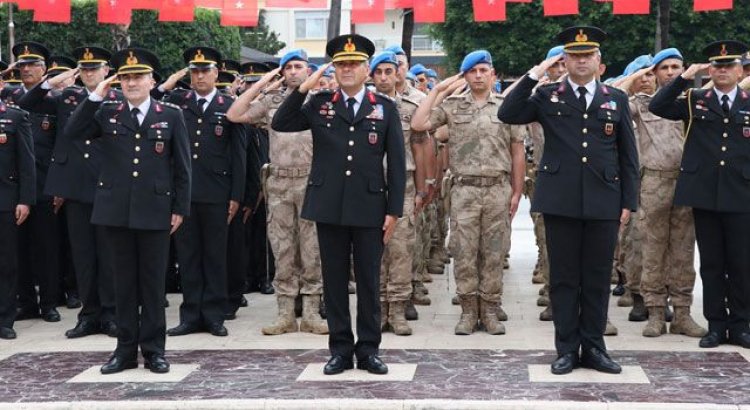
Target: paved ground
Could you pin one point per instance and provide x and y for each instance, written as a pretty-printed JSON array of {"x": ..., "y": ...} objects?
[{"x": 431, "y": 369}]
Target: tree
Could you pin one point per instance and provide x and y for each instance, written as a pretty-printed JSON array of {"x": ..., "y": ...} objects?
[{"x": 262, "y": 38}]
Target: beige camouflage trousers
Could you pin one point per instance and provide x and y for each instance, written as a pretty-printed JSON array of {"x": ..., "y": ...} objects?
[
  {"x": 668, "y": 237},
  {"x": 539, "y": 233},
  {"x": 421, "y": 246},
  {"x": 293, "y": 240},
  {"x": 398, "y": 255},
  {"x": 629, "y": 259},
  {"x": 480, "y": 226}
]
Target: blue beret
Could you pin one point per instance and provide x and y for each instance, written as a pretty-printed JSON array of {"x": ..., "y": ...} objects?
[
  {"x": 410, "y": 76},
  {"x": 418, "y": 69},
  {"x": 313, "y": 67},
  {"x": 382, "y": 57},
  {"x": 296, "y": 54},
  {"x": 639, "y": 63},
  {"x": 498, "y": 86},
  {"x": 329, "y": 71},
  {"x": 665, "y": 54},
  {"x": 554, "y": 52},
  {"x": 396, "y": 49},
  {"x": 431, "y": 73},
  {"x": 474, "y": 58}
]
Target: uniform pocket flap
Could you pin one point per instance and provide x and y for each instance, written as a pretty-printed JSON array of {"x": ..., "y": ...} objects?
[
  {"x": 162, "y": 188},
  {"x": 689, "y": 167},
  {"x": 611, "y": 174},
  {"x": 60, "y": 157},
  {"x": 549, "y": 167},
  {"x": 376, "y": 186}
]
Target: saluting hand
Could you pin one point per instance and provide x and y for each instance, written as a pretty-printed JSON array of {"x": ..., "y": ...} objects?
[
  {"x": 389, "y": 226},
  {"x": 446, "y": 84},
  {"x": 542, "y": 67},
  {"x": 103, "y": 87},
  {"x": 690, "y": 73},
  {"x": 176, "y": 222},
  {"x": 313, "y": 80},
  {"x": 62, "y": 77},
  {"x": 171, "y": 82}
]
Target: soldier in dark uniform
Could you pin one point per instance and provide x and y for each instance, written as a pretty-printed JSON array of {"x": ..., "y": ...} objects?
[
  {"x": 218, "y": 164},
  {"x": 74, "y": 170},
  {"x": 587, "y": 185},
  {"x": 17, "y": 195},
  {"x": 715, "y": 181},
  {"x": 353, "y": 200},
  {"x": 38, "y": 238},
  {"x": 142, "y": 196}
]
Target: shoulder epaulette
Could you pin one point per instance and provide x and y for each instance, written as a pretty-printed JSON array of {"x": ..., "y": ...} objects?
[
  {"x": 379, "y": 94},
  {"x": 322, "y": 91},
  {"x": 110, "y": 102},
  {"x": 169, "y": 104}
]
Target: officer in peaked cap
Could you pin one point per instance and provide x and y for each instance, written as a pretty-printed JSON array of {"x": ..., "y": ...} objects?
[
  {"x": 252, "y": 71},
  {"x": 30, "y": 52},
  {"x": 59, "y": 64},
  {"x": 584, "y": 191},
  {"x": 142, "y": 196},
  {"x": 353, "y": 200},
  {"x": 713, "y": 181},
  {"x": 231, "y": 67}
]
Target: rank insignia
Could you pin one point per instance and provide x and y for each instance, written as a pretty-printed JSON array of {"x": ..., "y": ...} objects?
[
  {"x": 219, "y": 130},
  {"x": 554, "y": 98},
  {"x": 745, "y": 132},
  {"x": 159, "y": 147},
  {"x": 45, "y": 124},
  {"x": 609, "y": 128},
  {"x": 372, "y": 138},
  {"x": 3, "y": 138}
]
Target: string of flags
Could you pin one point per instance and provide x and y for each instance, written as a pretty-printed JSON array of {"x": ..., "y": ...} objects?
[{"x": 245, "y": 12}]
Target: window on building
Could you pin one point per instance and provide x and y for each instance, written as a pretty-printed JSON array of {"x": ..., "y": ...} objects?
[
  {"x": 422, "y": 41},
  {"x": 311, "y": 25}
]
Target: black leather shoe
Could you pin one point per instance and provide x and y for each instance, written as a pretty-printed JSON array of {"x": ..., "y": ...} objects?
[
  {"x": 337, "y": 364},
  {"x": 109, "y": 328},
  {"x": 742, "y": 339},
  {"x": 600, "y": 361},
  {"x": 157, "y": 364},
  {"x": 116, "y": 364},
  {"x": 266, "y": 288},
  {"x": 712, "y": 339},
  {"x": 83, "y": 328},
  {"x": 243, "y": 301},
  {"x": 372, "y": 364},
  {"x": 217, "y": 329},
  {"x": 230, "y": 315},
  {"x": 565, "y": 363},
  {"x": 51, "y": 315},
  {"x": 7, "y": 333},
  {"x": 72, "y": 301},
  {"x": 28, "y": 313},
  {"x": 183, "y": 329},
  {"x": 619, "y": 290}
]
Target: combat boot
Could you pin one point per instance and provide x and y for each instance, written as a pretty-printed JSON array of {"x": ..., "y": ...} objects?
[
  {"x": 455, "y": 300},
  {"x": 501, "y": 315},
  {"x": 397, "y": 319},
  {"x": 626, "y": 300},
  {"x": 610, "y": 329},
  {"x": 410, "y": 312},
  {"x": 436, "y": 267},
  {"x": 488, "y": 317},
  {"x": 424, "y": 276},
  {"x": 420, "y": 299},
  {"x": 546, "y": 314},
  {"x": 285, "y": 321},
  {"x": 420, "y": 287},
  {"x": 656, "y": 325},
  {"x": 683, "y": 323},
  {"x": 468, "y": 322},
  {"x": 668, "y": 315},
  {"x": 311, "y": 320},
  {"x": 638, "y": 313},
  {"x": 542, "y": 300}
]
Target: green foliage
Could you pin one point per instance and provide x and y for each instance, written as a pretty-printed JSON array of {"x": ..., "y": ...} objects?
[
  {"x": 523, "y": 39},
  {"x": 262, "y": 38},
  {"x": 167, "y": 40}
]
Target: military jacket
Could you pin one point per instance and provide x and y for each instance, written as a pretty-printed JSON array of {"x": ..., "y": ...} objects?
[
  {"x": 659, "y": 139},
  {"x": 17, "y": 169}
]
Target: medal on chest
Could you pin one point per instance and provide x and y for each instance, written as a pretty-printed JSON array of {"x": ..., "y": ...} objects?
[
  {"x": 45, "y": 123},
  {"x": 3, "y": 138},
  {"x": 159, "y": 147}
]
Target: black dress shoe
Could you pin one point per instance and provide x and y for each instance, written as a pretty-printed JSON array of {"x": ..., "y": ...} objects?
[
  {"x": 116, "y": 364},
  {"x": 266, "y": 288},
  {"x": 742, "y": 339},
  {"x": 157, "y": 364},
  {"x": 243, "y": 301},
  {"x": 372, "y": 364},
  {"x": 619, "y": 290},
  {"x": 51, "y": 315},
  {"x": 337, "y": 364},
  {"x": 565, "y": 363},
  {"x": 600, "y": 361},
  {"x": 7, "y": 333},
  {"x": 230, "y": 315},
  {"x": 73, "y": 301},
  {"x": 83, "y": 328},
  {"x": 712, "y": 339},
  {"x": 28, "y": 313},
  {"x": 217, "y": 329},
  {"x": 109, "y": 328},
  {"x": 183, "y": 329}
]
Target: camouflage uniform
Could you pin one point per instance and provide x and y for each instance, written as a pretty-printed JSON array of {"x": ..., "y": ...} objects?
[
  {"x": 667, "y": 231},
  {"x": 536, "y": 133},
  {"x": 480, "y": 151},
  {"x": 293, "y": 240}
]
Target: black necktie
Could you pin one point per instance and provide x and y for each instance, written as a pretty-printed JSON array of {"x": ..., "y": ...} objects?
[
  {"x": 201, "y": 104},
  {"x": 350, "y": 107},
  {"x": 582, "y": 97},
  {"x": 725, "y": 103},
  {"x": 134, "y": 115}
]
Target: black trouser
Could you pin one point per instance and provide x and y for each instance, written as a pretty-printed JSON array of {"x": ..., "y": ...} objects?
[
  {"x": 724, "y": 245},
  {"x": 261, "y": 267},
  {"x": 202, "y": 252},
  {"x": 38, "y": 251},
  {"x": 580, "y": 261},
  {"x": 67, "y": 272},
  {"x": 93, "y": 263},
  {"x": 337, "y": 243},
  {"x": 140, "y": 262},
  {"x": 8, "y": 268},
  {"x": 237, "y": 260}
]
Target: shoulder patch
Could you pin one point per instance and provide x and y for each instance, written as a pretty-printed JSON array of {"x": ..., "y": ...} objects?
[{"x": 379, "y": 94}]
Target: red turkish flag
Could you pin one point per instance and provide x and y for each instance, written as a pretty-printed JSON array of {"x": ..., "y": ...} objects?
[
  {"x": 518, "y": 1},
  {"x": 631, "y": 7},
  {"x": 146, "y": 4},
  {"x": 209, "y": 4},
  {"x": 560, "y": 7},
  {"x": 177, "y": 10},
  {"x": 489, "y": 10},
  {"x": 243, "y": 13},
  {"x": 308, "y": 4},
  {"x": 115, "y": 11},
  {"x": 710, "y": 5},
  {"x": 399, "y": 4},
  {"x": 25, "y": 4},
  {"x": 429, "y": 11},
  {"x": 368, "y": 11},
  {"x": 52, "y": 11}
]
